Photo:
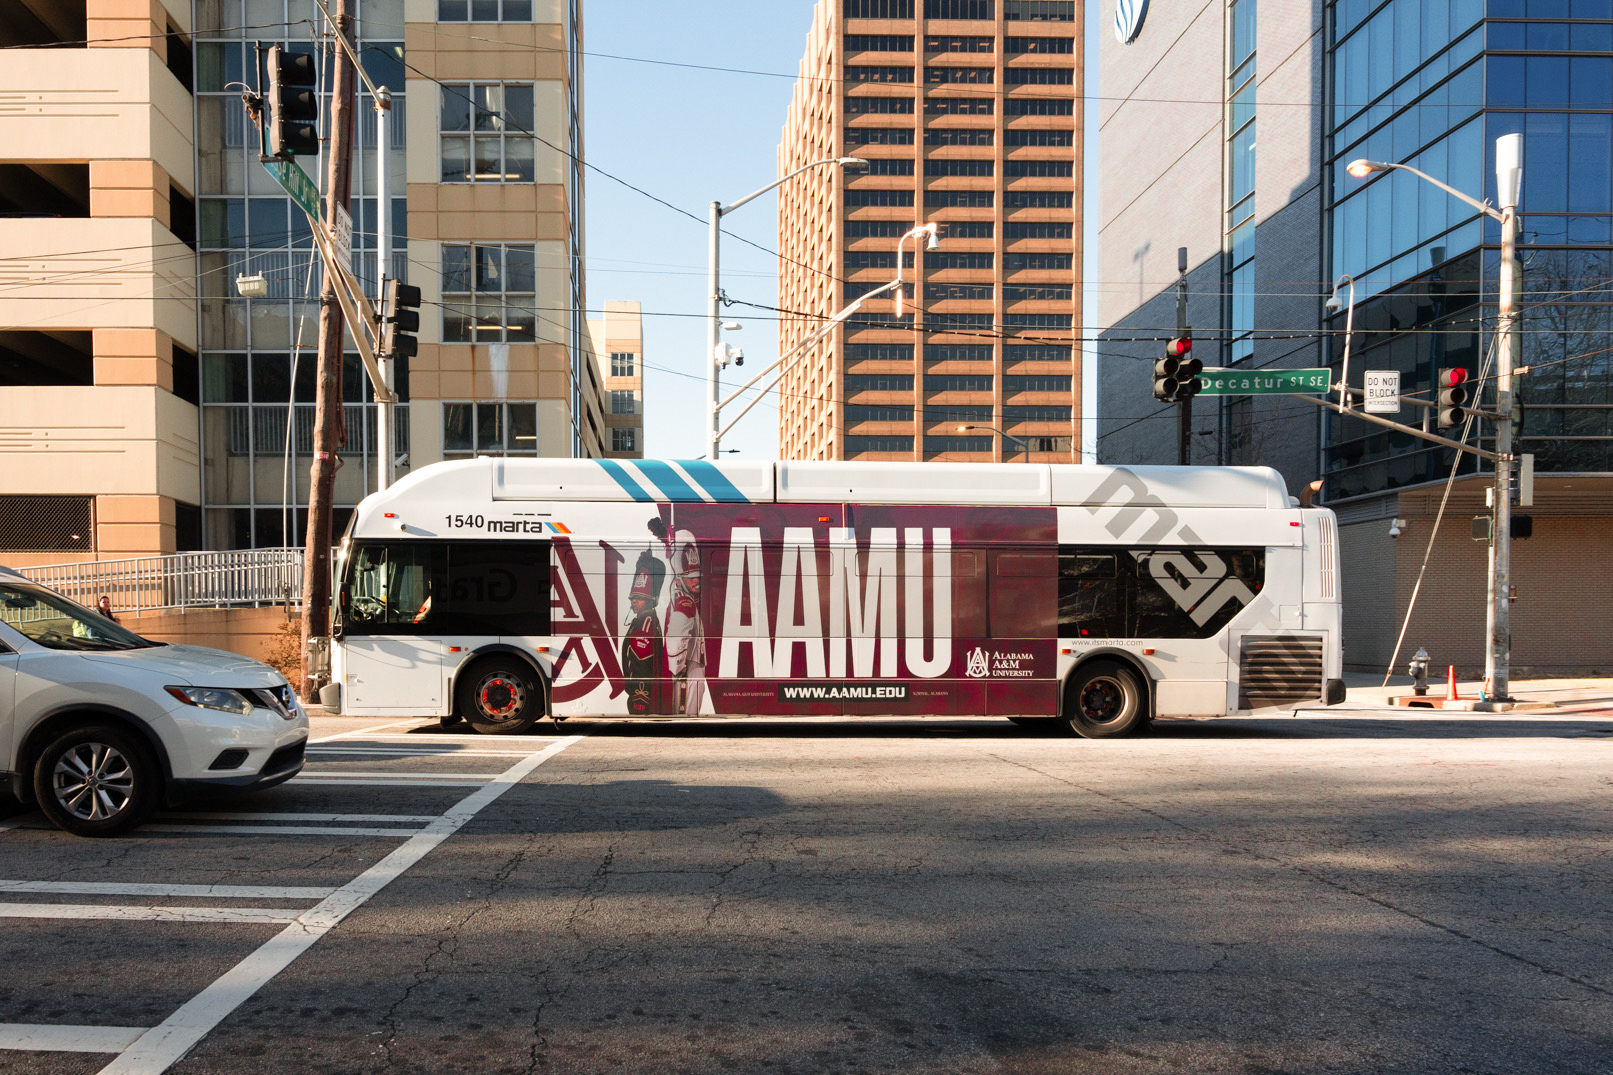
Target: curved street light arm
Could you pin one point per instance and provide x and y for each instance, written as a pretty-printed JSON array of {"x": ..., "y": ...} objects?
[
  {"x": 1484, "y": 207},
  {"x": 729, "y": 208}
]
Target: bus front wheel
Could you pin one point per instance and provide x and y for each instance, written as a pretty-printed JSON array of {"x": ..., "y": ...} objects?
[
  {"x": 1104, "y": 700},
  {"x": 500, "y": 696}
]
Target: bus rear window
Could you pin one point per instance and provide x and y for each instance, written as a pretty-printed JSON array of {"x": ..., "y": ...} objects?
[{"x": 1155, "y": 593}]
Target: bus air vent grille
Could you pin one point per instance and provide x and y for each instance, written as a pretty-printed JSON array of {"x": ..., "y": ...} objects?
[
  {"x": 1279, "y": 670},
  {"x": 1325, "y": 557}
]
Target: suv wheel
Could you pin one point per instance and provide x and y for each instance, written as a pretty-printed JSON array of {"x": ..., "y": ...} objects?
[{"x": 97, "y": 780}]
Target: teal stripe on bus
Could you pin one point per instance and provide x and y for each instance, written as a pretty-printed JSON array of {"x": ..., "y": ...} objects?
[
  {"x": 721, "y": 489},
  {"x": 615, "y": 470},
  {"x": 669, "y": 481}
]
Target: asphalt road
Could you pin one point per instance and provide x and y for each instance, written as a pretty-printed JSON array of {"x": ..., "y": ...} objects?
[{"x": 1340, "y": 895}]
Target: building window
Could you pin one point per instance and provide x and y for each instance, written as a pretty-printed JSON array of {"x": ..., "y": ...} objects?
[
  {"x": 960, "y": 9},
  {"x": 1044, "y": 413},
  {"x": 487, "y": 133},
  {"x": 484, "y": 10},
  {"x": 958, "y": 106},
  {"x": 889, "y": 166},
  {"x": 1039, "y": 76},
  {"x": 1046, "y": 353},
  {"x": 489, "y": 294},
  {"x": 957, "y": 444},
  {"x": 879, "y": 43},
  {"x": 958, "y": 44},
  {"x": 1019, "y": 46},
  {"x": 967, "y": 76},
  {"x": 879, "y": 352},
  {"x": 959, "y": 199},
  {"x": 1014, "y": 138},
  {"x": 47, "y": 523},
  {"x": 879, "y": 74},
  {"x": 624, "y": 439},
  {"x": 1039, "y": 230},
  {"x": 954, "y": 415},
  {"x": 879, "y": 106},
  {"x": 862, "y": 412},
  {"x": 471, "y": 429},
  {"x": 879, "y": 136},
  {"x": 957, "y": 352},
  {"x": 958, "y": 136},
  {"x": 878, "y": 382},
  {"x": 968, "y": 229},
  {"x": 1039, "y": 10},
  {"x": 1039, "y": 106},
  {"x": 624, "y": 401},
  {"x": 1041, "y": 382},
  {"x": 1039, "y": 169},
  {"x": 879, "y": 9},
  {"x": 959, "y": 382},
  {"x": 963, "y": 292},
  {"x": 1039, "y": 199},
  {"x": 858, "y": 199},
  {"x": 876, "y": 229},
  {"x": 1019, "y": 262},
  {"x": 950, "y": 167},
  {"x": 623, "y": 364},
  {"x": 937, "y": 261},
  {"x": 859, "y": 445},
  {"x": 1042, "y": 293}
]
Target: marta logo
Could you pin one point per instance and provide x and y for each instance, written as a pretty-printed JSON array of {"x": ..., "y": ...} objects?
[{"x": 977, "y": 668}]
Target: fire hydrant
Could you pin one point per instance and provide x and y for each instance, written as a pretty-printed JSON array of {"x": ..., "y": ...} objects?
[{"x": 1418, "y": 670}]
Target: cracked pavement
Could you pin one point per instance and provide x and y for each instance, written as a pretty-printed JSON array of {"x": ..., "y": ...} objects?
[{"x": 928, "y": 896}]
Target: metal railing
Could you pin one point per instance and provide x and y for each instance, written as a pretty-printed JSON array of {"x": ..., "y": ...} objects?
[{"x": 180, "y": 580}]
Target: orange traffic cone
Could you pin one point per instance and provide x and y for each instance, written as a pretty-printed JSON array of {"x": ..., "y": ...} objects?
[{"x": 1450, "y": 684}]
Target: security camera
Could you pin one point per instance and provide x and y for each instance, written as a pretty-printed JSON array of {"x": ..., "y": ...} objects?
[
  {"x": 1395, "y": 526},
  {"x": 1333, "y": 304},
  {"x": 739, "y": 357}
]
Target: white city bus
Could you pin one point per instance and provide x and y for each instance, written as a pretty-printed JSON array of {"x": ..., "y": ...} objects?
[{"x": 502, "y": 590}]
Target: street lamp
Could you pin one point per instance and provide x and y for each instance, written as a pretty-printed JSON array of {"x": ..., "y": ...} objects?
[
  {"x": 1509, "y": 178},
  {"x": 1024, "y": 444},
  {"x": 714, "y": 293}
]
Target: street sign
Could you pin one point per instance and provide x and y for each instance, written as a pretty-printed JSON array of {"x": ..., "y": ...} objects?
[
  {"x": 1228, "y": 382},
  {"x": 344, "y": 235},
  {"x": 1383, "y": 392},
  {"x": 295, "y": 182}
]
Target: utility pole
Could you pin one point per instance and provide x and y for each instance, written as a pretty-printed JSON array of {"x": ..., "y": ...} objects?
[
  {"x": 1184, "y": 413},
  {"x": 329, "y": 434},
  {"x": 1498, "y": 655},
  {"x": 713, "y": 322},
  {"x": 384, "y": 408}
]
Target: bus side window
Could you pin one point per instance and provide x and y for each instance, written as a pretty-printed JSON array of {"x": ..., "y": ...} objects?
[
  {"x": 496, "y": 588},
  {"x": 1092, "y": 595},
  {"x": 391, "y": 588}
]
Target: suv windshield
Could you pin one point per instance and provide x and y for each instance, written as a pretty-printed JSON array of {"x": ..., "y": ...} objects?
[{"x": 52, "y": 620}]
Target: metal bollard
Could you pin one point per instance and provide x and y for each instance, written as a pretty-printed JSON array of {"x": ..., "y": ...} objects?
[{"x": 1418, "y": 670}]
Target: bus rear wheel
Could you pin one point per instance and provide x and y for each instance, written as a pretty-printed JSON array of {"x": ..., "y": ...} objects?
[
  {"x": 1104, "y": 700},
  {"x": 500, "y": 696}
]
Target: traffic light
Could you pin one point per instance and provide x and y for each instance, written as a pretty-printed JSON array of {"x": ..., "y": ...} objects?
[
  {"x": 1165, "y": 383},
  {"x": 1451, "y": 386},
  {"x": 1188, "y": 368},
  {"x": 401, "y": 317},
  {"x": 292, "y": 106}
]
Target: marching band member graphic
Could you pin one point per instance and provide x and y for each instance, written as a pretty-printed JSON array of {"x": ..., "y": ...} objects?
[
  {"x": 685, "y": 635},
  {"x": 643, "y": 648}
]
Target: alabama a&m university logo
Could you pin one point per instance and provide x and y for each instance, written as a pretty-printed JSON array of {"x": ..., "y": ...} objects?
[
  {"x": 977, "y": 666},
  {"x": 1129, "y": 15}
]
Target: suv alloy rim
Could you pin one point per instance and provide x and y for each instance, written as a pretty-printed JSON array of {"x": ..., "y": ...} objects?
[{"x": 93, "y": 781}]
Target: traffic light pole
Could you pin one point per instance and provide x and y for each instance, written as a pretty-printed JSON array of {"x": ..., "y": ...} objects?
[
  {"x": 1498, "y": 656},
  {"x": 384, "y": 402},
  {"x": 1184, "y": 412}
]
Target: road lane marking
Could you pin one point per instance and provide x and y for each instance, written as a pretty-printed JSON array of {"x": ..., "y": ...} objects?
[
  {"x": 150, "y": 912},
  {"x": 164, "y": 1044},
  {"x": 405, "y": 752},
  {"x": 113, "y": 888},
  {"x": 279, "y": 830},
  {"x": 391, "y": 783},
  {"x": 48, "y": 1038},
  {"x": 305, "y": 774},
  {"x": 259, "y": 815},
  {"x": 417, "y": 721}
]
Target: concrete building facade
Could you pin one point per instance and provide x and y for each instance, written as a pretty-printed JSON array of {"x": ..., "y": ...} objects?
[
  {"x": 618, "y": 336},
  {"x": 968, "y": 113},
  {"x": 150, "y": 408}
]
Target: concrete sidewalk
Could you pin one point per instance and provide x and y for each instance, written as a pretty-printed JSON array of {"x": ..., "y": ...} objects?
[{"x": 1586, "y": 696}]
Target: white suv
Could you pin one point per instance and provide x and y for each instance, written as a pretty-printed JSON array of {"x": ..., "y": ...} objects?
[{"x": 99, "y": 726}]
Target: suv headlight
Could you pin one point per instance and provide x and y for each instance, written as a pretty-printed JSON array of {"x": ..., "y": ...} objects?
[{"x": 219, "y": 698}]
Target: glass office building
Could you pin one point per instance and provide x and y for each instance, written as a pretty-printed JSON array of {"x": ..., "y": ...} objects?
[{"x": 1433, "y": 84}]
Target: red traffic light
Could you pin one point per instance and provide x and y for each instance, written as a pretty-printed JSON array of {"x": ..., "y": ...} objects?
[
  {"x": 1179, "y": 346},
  {"x": 1450, "y": 378}
]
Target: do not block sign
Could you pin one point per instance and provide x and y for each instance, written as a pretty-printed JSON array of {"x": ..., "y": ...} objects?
[{"x": 1383, "y": 392}]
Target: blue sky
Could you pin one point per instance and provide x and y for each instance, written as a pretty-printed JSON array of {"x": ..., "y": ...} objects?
[{"x": 690, "y": 135}]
